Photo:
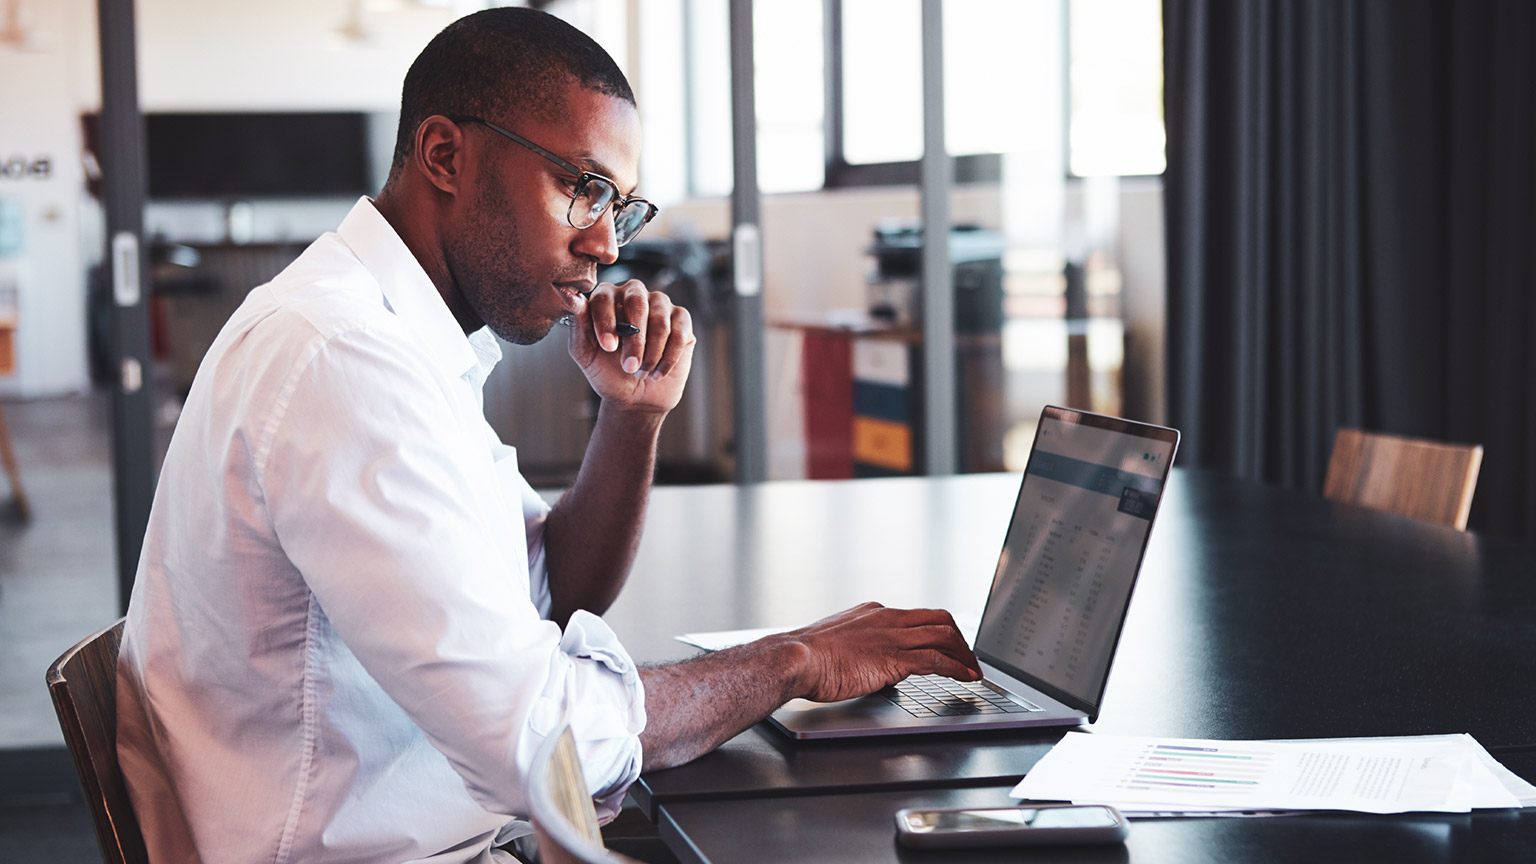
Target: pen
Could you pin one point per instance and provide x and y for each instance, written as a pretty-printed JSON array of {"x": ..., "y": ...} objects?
[{"x": 624, "y": 328}]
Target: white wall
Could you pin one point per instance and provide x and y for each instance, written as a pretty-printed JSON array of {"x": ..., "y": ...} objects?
[
  {"x": 214, "y": 55},
  {"x": 278, "y": 55},
  {"x": 47, "y": 84}
]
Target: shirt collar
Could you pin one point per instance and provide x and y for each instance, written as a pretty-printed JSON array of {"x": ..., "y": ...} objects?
[
  {"x": 412, "y": 296},
  {"x": 487, "y": 354}
]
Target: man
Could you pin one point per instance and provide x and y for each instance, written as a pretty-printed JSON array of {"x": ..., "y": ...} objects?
[{"x": 353, "y": 621}]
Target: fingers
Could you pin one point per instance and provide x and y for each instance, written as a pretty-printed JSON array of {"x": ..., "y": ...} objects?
[
  {"x": 603, "y": 306},
  {"x": 933, "y": 662},
  {"x": 870, "y": 646},
  {"x": 663, "y": 355},
  {"x": 636, "y": 302},
  {"x": 665, "y": 330},
  {"x": 935, "y": 645},
  {"x": 948, "y": 655},
  {"x": 582, "y": 340},
  {"x": 881, "y": 618}
]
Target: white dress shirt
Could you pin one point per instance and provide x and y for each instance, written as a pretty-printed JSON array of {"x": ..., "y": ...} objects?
[{"x": 336, "y": 647}]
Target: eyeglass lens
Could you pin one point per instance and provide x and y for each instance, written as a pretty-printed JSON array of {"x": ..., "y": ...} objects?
[
  {"x": 630, "y": 219},
  {"x": 593, "y": 198}
]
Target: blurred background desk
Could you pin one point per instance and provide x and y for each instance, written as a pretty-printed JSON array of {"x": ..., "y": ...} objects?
[
  {"x": 863, "y": 406},
  {"x": 1259, "y": 614}
]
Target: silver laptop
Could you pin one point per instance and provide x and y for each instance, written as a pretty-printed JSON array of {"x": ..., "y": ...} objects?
[{"x": 1058, "y": 598}]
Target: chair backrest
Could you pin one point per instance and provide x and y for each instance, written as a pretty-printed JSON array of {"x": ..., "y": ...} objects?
[
  {"x": 1411, "y": 477},
  {"x": 83, "y": 682},
  {"x": 563, "y": 816}
]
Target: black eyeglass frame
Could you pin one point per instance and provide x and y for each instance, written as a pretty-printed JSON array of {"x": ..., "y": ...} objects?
[{"x": 583, "y": 177}]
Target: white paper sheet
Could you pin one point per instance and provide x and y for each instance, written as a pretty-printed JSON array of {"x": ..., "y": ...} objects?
[
  {"x": 715, "y": 640},
  {"x": 1440, "y": 773}
]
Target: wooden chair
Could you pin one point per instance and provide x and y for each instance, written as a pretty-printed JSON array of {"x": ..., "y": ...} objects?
[
  {"x": 1408, "y": 476},
  {"x": 83, "y": 682},
  {"x": 563, "y": 816}
]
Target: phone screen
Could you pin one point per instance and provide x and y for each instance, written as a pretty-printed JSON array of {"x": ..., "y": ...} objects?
[{"x": 993, "y": 819}]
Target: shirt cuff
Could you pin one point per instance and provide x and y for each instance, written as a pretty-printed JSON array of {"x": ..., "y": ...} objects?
[{"x": 605, "y": 719}]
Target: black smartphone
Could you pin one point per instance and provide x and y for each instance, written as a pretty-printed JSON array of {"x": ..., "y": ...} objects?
[{"x": 1009, "y": 826}]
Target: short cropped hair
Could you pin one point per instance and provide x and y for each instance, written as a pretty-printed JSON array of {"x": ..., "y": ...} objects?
[{"x": 501, "y": 64}]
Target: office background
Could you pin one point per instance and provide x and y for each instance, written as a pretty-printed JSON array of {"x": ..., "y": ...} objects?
[{"x": 1349, "y": 193}]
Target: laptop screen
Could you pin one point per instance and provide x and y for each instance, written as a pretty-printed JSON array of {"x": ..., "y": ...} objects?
[{"x": 1063, "y": 581}]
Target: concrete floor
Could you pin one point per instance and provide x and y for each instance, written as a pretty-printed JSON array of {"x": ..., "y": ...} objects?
[
  {"x": 57, "y": 584},
  {"x": 57, "y": 576}
]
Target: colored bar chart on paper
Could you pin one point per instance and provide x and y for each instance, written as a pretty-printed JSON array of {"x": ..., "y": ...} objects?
[{"x": 1192, "y": 770}]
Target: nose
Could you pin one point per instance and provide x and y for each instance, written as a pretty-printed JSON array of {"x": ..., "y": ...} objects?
[{"x": 600, "y": 242}]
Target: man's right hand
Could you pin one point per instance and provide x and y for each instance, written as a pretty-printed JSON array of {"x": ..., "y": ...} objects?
[
  {"x": 644, "y": 372},
  {"x": 693, "y": 706},
  {"x": 860, "y": 650}
]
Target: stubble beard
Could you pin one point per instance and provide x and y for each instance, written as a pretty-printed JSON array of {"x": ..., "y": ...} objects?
[{"x": 493, "y": 280}]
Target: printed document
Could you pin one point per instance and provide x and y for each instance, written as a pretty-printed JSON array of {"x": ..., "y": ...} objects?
[{"x": 1435, "y": 773}]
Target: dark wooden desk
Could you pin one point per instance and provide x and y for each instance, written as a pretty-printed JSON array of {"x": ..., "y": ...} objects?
[
  {"x": 1259, "y": 614},
  {"x": 848, "y": 828}
]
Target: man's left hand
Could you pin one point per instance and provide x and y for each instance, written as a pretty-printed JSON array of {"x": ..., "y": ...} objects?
[{"x": 644, "y": 371}]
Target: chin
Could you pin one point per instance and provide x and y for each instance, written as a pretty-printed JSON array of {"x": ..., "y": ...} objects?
[{"x": 523, "y": 332}]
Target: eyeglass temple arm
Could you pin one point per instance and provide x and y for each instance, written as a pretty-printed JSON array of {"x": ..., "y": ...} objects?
[{"x": 578, "y": 171}]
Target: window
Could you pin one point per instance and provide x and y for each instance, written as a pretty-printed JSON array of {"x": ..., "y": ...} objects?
[
  {"x": 882, "y": 81},
  {"x": 866, "y": 127},
  {"x": 686, "y": 53},
  {"x": 707, "y": 54},
  {"x": 1114, "y": 69},
  {"x": 791, "y": 143},
  {"x": 1116, "y": 80}
]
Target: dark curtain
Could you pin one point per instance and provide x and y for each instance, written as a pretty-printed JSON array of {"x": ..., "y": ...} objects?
[{"x": 1351, "y": 203}]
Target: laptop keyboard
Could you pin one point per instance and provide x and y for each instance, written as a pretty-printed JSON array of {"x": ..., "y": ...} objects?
[{"x": 937, "y": 696}]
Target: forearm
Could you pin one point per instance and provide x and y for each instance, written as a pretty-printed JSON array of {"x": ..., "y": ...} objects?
[
  {"x": 695, "y": 706},
  {"x": 591, "y": 535}
]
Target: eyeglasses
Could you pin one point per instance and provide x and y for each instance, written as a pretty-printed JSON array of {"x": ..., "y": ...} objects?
[{"x": 592, "y": 195}]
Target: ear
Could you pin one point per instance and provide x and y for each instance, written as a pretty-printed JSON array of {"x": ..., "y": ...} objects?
[{"x": 439, "y": 155}]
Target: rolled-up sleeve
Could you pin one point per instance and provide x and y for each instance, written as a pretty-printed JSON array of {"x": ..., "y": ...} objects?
[
  {"x": 609, "y": 718},
  {"x": 388, "y": 502}
]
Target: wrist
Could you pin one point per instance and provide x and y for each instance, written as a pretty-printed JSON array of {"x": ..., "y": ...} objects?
[
  {"x": 635, "y": 430},
  {"x": 796, "y": 659},
  {"x": 644, "y": 419}
]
